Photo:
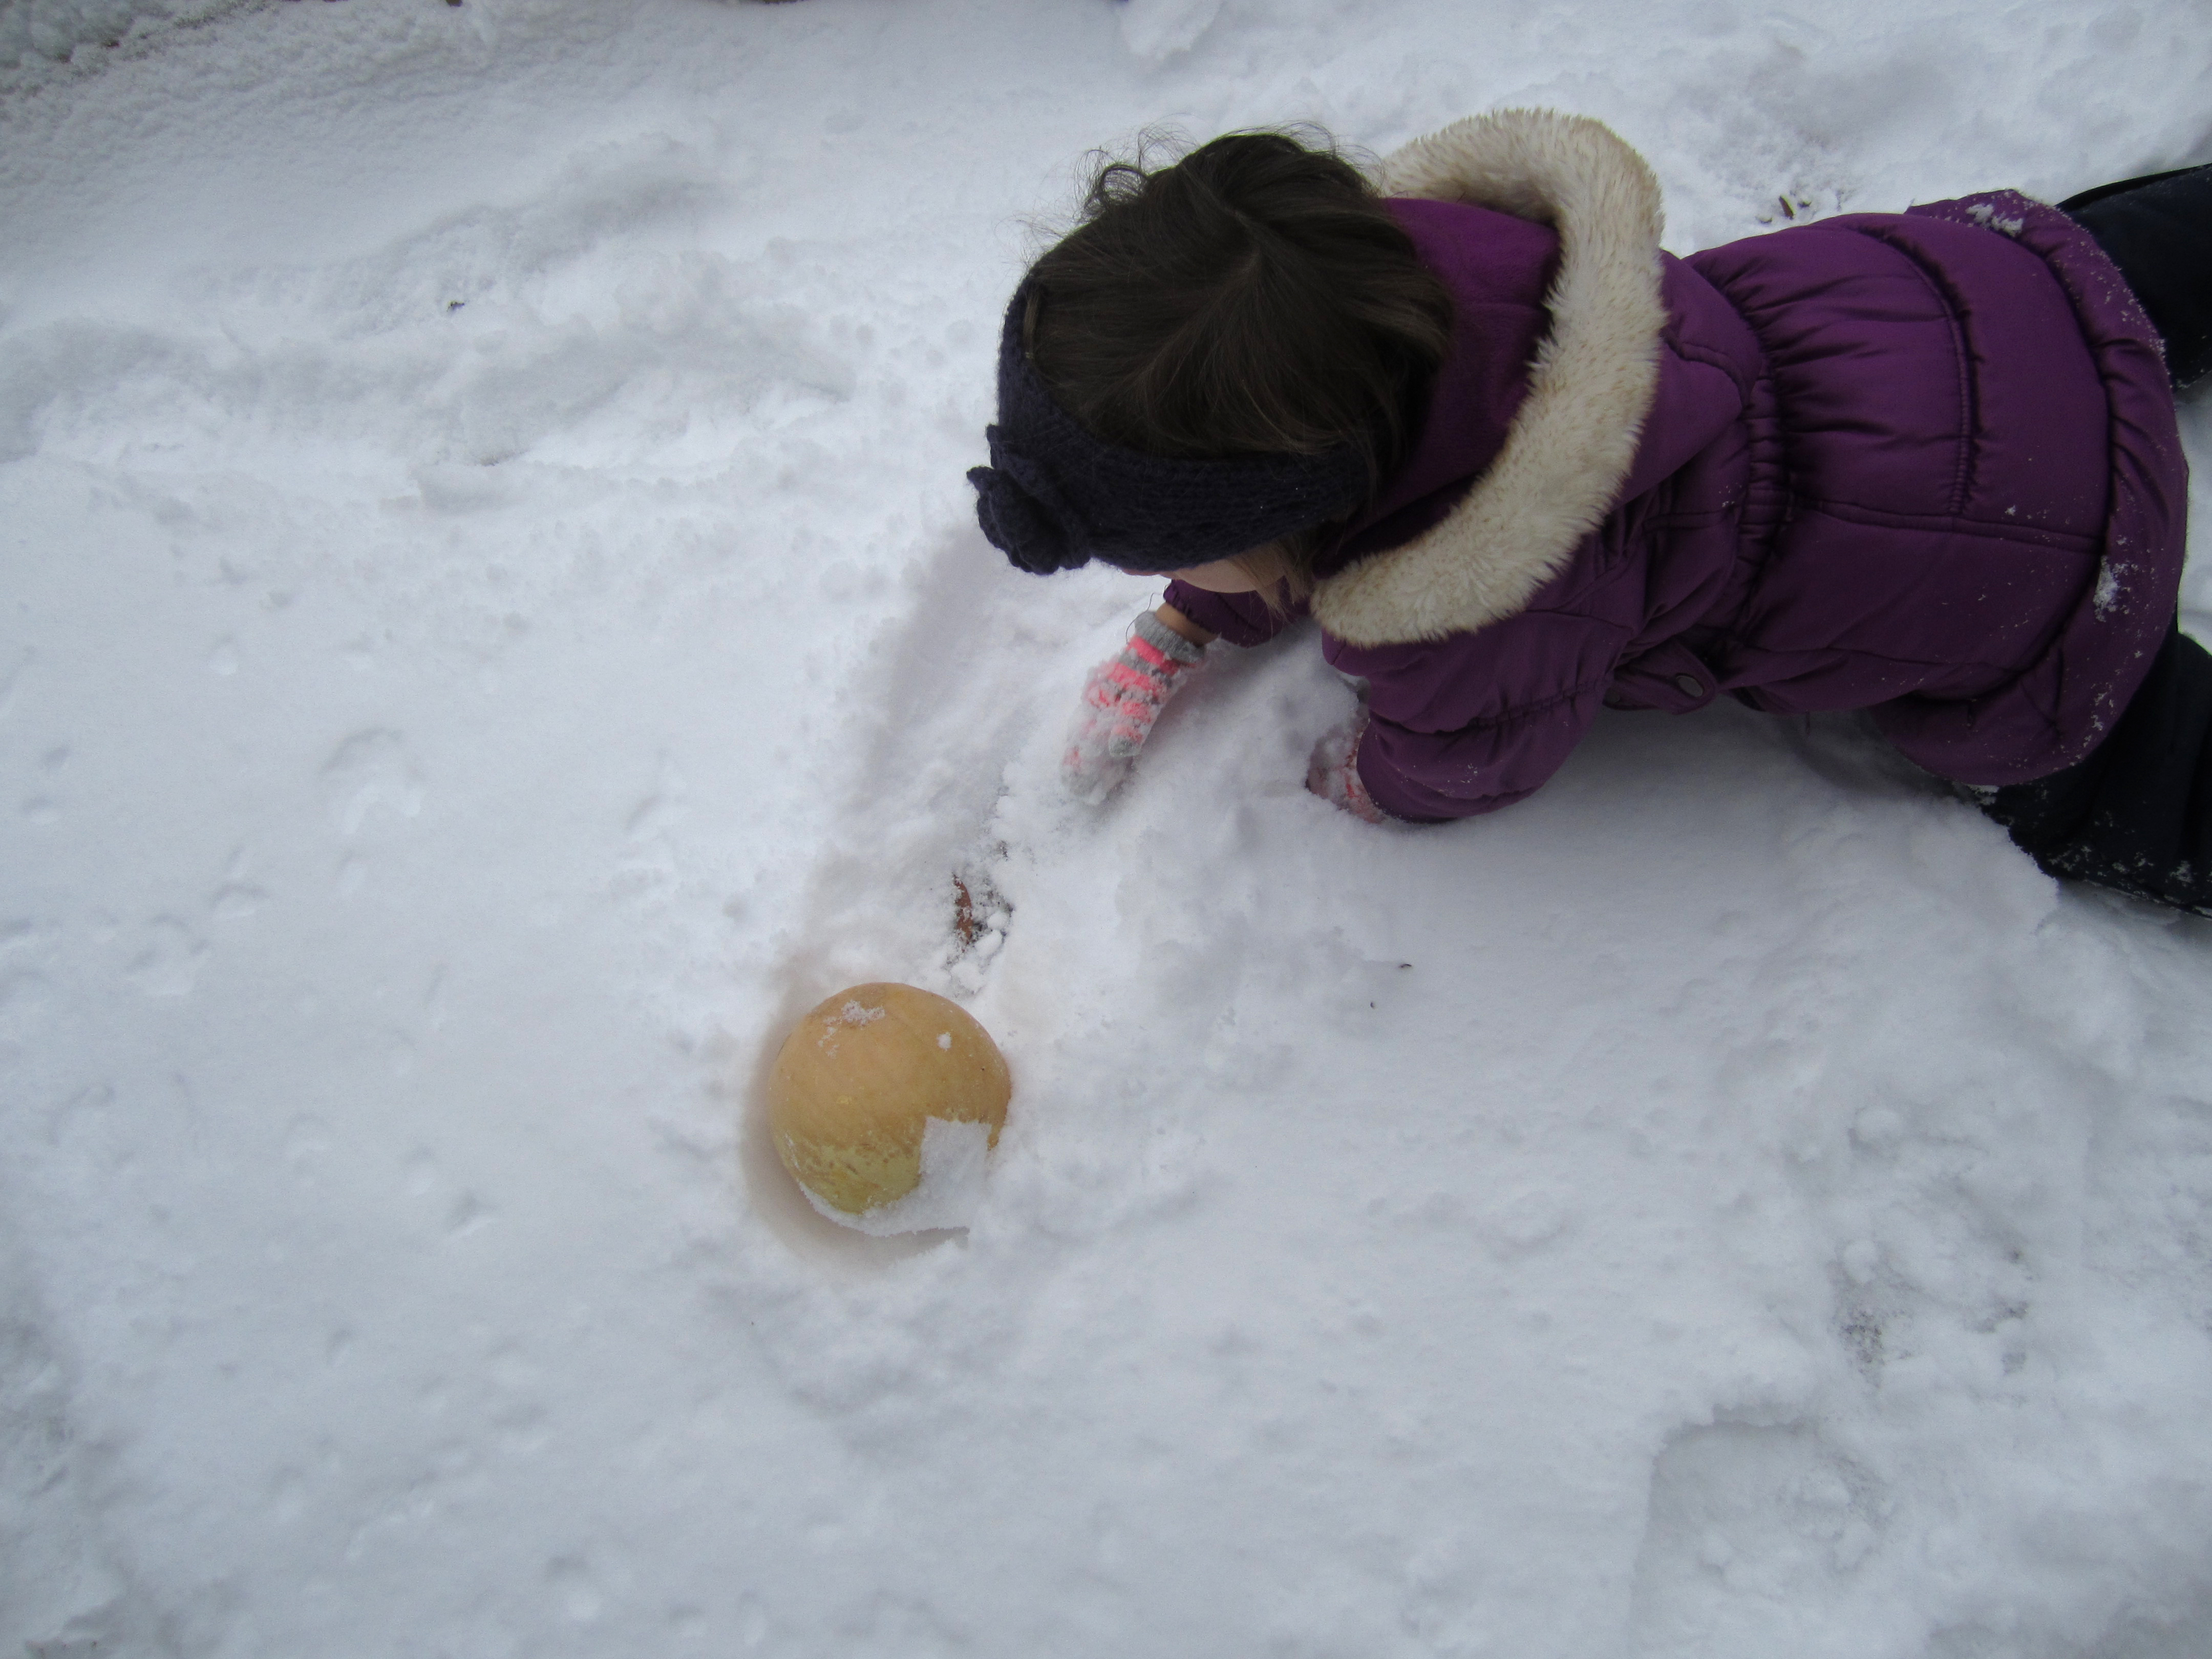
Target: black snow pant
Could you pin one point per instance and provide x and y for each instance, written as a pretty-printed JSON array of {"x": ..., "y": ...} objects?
[{"x": 2137, "y": 815}]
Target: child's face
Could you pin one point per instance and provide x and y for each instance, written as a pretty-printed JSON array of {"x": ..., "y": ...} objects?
[{"x": 1222, "y": 577}]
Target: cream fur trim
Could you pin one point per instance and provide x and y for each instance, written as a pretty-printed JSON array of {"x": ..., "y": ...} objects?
[{"x": 1574, "y": 438}]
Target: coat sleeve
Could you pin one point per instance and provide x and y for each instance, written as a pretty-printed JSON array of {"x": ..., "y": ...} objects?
[
  {"x": 1239, "y": 618},
  {"x": 1477, "y": 721}
]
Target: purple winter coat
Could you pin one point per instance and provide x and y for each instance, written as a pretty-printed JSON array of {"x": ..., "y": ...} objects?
[{"x": 1924, "y": 464}]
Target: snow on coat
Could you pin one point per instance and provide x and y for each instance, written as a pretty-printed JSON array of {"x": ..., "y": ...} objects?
[{"x": 1924, "y": 464}]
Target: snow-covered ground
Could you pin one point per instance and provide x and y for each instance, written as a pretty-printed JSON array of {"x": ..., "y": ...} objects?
[
  {"x": 491, "y": 626},
  {"x": 54, "y": 30}
]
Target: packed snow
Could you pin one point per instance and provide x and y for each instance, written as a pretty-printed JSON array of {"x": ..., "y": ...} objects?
[
  {"x": 53, "y": 30},
  {"x": 493, "y": 628},
  {"x": 955, "y": 1175}
]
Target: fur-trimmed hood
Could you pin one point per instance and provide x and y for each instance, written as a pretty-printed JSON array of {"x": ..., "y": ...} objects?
[{"x": 1574, "y": 439}]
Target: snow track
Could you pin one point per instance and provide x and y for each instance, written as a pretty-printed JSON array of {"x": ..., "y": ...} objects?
[{"x": 491, "y": 628}]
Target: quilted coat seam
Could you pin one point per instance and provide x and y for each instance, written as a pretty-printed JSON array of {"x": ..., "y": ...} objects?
[
  {"x": 1954, "y": 311},
  {"x": 1963, "y": 524},
  {"x": 1518, "y": 715}
]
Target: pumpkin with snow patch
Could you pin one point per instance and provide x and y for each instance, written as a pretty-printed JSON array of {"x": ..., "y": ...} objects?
[{"x": 859, "y": 1081}]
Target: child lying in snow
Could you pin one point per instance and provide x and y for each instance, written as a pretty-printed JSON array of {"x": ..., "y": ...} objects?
[{"x": 1521, "y": 464}]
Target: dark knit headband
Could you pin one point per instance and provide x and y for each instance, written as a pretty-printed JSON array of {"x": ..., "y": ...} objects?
[{"x": 1054, "y": 497}]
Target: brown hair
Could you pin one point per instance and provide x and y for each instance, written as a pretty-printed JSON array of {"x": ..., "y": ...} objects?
[{"x": 1253, "y": 298}]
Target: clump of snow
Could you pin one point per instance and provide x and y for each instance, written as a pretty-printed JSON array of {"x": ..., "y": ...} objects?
[
  {"x": 955, "y": 1161},
  {"x": 981, "y": 918},
  {"x": 2112, "y": 577},
  {"x": 2009, "y": 224}
]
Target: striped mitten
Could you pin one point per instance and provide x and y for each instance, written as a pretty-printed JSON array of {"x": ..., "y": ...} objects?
[
  {"x": 1334, "y": 772},
  {"x": 1120, "y": 701}
]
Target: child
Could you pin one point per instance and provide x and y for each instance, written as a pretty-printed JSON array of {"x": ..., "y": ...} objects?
[{"x": 1520, "y": 465}]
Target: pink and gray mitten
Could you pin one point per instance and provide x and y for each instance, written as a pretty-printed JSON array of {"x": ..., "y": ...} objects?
[
  {"x": 1120, "y": 701},
  {"x": 1334, "y": 772}
]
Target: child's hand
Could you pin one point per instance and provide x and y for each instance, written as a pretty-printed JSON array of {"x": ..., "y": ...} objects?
[
  {"x": 1120, "y": 701},
  {"x": 1334, "y": 772}
]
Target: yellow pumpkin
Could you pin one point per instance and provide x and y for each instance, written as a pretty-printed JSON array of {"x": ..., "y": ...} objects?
[{"x": 857, "y": 1082}]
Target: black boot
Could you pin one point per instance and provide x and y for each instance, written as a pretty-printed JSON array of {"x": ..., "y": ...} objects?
[
  {"x": 2158, "y": 230},
  {"x": 2138, "y": 814}
]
